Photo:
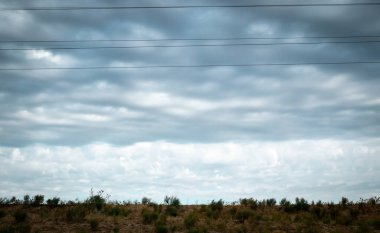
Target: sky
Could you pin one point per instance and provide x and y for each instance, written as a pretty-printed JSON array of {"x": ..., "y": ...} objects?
[{"x": 199, "y": 133}]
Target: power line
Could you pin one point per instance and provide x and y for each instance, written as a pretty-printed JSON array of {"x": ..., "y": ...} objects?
[
  {"x": 190, "y": 45},
  {"x": 191, "y": 66},
  {"x": 190, "y": 39},
  {"x": 69, "y": 8}
]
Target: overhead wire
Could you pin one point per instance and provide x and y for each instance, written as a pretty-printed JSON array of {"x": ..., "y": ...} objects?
[
  {"x": 189, "y": 45},
  {"x": 70, "y": 8},
  {"x": 188, "y": 66},
  {"x": 190, "y": 39}
]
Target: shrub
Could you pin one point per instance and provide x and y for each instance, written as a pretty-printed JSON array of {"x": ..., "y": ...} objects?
[
  {"x": 2, "y": 214},
  {"x": 54, "y": 202},
  {"x": 270, "y": 202},
  {"x": 7, "y": 229},
  {"x": 94, "y": 224},
  {"x": 243, "y": 215},
  {"x": 171, "y": 211},
  {"x": 286, "y": 205},
  {"x": 161, "y": 228},
  {"x": 145, "y": 201},
  {"x": 96, "y": 201},
  {"x": 172, "y": 201},
  {"x": 190, "y": 220},
  {"x": 216, "y": 206},
  {"x": 24, "y": 228},
  {"x": 149, "y": 216},
  {"x": 252, "y": 203},
  {"x": 76, "y": 214},
  {"x": 38, "y": 200},
  {"x": 116, "y": 230},
  {"x": 198, "y": 230},
  {"x": 27, "y": 200},
  {"x": 301, "y": 204},
  {"x": 20, "y": 215}
]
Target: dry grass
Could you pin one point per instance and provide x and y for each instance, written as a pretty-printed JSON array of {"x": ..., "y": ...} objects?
[{"x": 355, "y": 218}]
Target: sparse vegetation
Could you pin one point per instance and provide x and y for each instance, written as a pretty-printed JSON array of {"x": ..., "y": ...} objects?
[{"x": 97, "y": 214}]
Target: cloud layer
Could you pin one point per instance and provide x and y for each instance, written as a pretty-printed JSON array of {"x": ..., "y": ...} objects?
[{"x": 271, "y": 130}]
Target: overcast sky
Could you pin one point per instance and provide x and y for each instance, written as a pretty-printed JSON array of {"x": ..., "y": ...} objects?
[{"x": 200, "y": 133}]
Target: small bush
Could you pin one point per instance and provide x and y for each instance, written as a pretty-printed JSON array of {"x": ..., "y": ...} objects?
[
  {"x": 145, "y": 201},
  {"x": 149, "y": 216},
  {"x": 216, "y": 206},
  {"x": 243, "y": 214},
  {"x": 38, "y": 200},
  {"x": 94, "y": 224},
  {"x": 190, "y": 220},
  {"x": 301, "y": 204},
  {"x": 172, "y": 201},
  {"x": 198, "y": 230},
  {"x": 2, "y": 214},
  {"x": 270, "y": 202},
  {"x": 96, "y": 201},
  {"x": 171, "y": 211},
  {"x": 7, "y": 229},
  {"x": 27, "y": 200},
  {"x": 53, "y": 202},
  {"x": 161, "y": 228},
  {"x": 116, "y": 230},
  {"x": 76, "y": 214},
  {"x": 20, "y": 215},
  {"x": 252, "y": 203},
  {"x": 24, "y": 228}
]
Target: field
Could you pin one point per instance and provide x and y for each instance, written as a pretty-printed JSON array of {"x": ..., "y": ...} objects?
[{"x": 97, "y": 214}]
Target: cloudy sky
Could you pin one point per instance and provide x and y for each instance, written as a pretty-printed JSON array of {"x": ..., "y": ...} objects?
[{"x": 200, "y": 133}]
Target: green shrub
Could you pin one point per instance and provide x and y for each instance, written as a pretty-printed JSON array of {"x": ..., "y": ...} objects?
[
  {"x": 198, "y": 230},
  {"x": 20, "y": 215},
  {"x": 190, "y": 220},
  {"x": 301, "y": 204},
  {"x": 145, "y": 201},
  {"x": 7, "y": 229},
  {"x": 24, "y": 228},
  {"x": 149, "y": 216},
  {"x": 2, "y": 214},
  {"x": 216, "y": 206},
  {"x": 38, "y": 200},
  {"x": 250, "y": 202},
  {"x": 96, "y": 201},
  {"x": 27, "y": 200},
  {"x": 75, "y": 214},
  {"x": 53, "y": 202},
  {"x": 161, "y": 228},
  {"x": 172, "y": 201},
  {"x": 171, "y": 211},
  {"x": 94, "y": 224},
  {"x": 243, "y": 214},
  {"x": 270, "y": 202},
  {"x": 116, "y": 230}
]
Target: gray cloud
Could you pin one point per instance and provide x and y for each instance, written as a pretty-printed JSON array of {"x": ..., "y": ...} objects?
[{"x": 64, "y": 111}]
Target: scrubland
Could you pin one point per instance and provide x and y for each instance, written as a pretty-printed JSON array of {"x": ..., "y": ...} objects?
[{"x": 98, "y": 214}]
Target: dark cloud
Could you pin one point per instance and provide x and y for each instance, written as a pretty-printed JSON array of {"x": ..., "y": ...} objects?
[{"x": 188, "y": 104}]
